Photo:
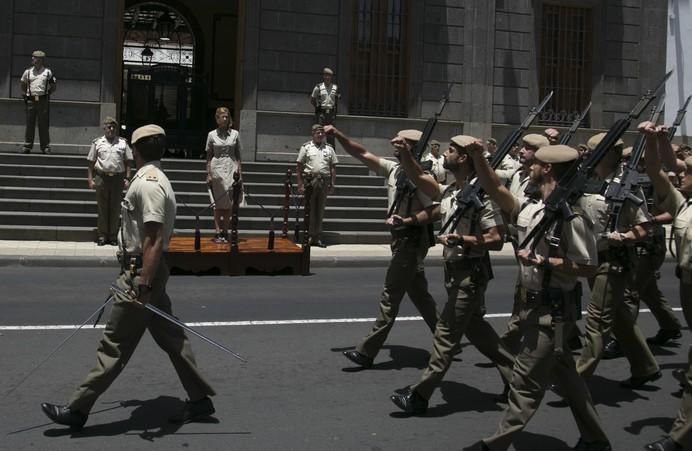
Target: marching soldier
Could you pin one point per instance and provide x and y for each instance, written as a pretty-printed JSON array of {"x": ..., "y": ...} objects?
[
  {"x": 606, "y": 310},
  {"x": 438, "y": 171},
  {"x": 679, "y": 204},
  {"x": 316, "y": 166},
  {"x": 108, "y": 173},
  {"x": 148, "y": 216},
  {"x": 549, "y": 296},
  {"x": 467, "y": 273},
  {"x": 410, "y": 243}
]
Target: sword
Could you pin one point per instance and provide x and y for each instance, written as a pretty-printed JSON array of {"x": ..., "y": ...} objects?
[
  {"x": 115, "y": 289},
  {"x": 62, "y": 343}
]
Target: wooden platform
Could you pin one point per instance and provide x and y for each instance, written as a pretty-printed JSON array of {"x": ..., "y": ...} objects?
[{"x": 252, "y": 257}]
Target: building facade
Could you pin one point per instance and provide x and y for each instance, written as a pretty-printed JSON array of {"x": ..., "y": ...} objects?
[{"x": 173, "y": 62}]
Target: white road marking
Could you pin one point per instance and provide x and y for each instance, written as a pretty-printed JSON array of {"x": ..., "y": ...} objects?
[{"x": 265, "y": 323}]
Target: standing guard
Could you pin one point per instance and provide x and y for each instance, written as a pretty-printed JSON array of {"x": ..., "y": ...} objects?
[
  {"x": 37, "y": 84},
  {"x": 325, "y": 99}
]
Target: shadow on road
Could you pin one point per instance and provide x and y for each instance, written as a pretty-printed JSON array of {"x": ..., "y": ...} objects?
[
  {"x": 149, "y": 420},
  {"x": 527, "y": 441},
  {"x": 662, "y": 423},
  {"x": 401, "y": 357}
]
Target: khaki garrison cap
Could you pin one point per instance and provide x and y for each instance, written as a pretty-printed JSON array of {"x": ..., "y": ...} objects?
[
  {"x": 410, "y": 134},
  {"x": 38, "y": 54},
  {"x": 327, "y": 70},
  {"x": 434, "y": 142},
  {"x": 146, "y": 131},
  {"x": 317, "y": 127},
  {"x": 595, "y": 140},
  {"x": 688, "y": 163},
  {"x": 558, "y": 153},
  {"x": 535, "y": 140},
  {"x": 109, "y": 120},
  {"x": 463, "y": 140},
  {"x": 626, "y": 152}
]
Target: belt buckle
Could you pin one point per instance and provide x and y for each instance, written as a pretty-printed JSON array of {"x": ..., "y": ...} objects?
[{"x": 36, "y": 98}]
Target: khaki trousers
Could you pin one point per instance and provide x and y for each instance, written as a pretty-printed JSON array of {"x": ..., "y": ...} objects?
[
  {"x": 318, "y": 202},
  {"x": 681, "y": 431},
  {"x": 606, "y": 312},
  {"x": 109, "y": 194},
  {"x": 535, "y": 367},
  {"x": 405, "y": 275},
  {"x": 466, "y": 283},
  {"x": 124, "y": 329}
]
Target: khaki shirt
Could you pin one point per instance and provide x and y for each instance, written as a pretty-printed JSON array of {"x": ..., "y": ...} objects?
[
  {"x": 317, "y": 159},
  {"x": 150, "y": 198},
  {"x": 577, "y": 244},
  {"x": 325, "y": 96},
  {"x": 507, "y": 168},
  {"x": 110, "y": 157},
  {"x": 596, "y": 208},
  {"x": 518, "y": 184},
  {"x": 438, "y": 171},
  {"x": 488, "y": 217},
  {"x": 419, "y": 201},
  {"x": 37, "y": 83},
  {"x": 681, "y": 208}
]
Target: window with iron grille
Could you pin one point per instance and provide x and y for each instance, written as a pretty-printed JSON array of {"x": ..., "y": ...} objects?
[
  {"x": 565, "y": 63},
  {"x": 379, "y": 72}
]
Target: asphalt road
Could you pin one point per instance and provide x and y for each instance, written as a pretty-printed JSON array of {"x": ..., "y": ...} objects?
[{"x": 296, "y": 392}]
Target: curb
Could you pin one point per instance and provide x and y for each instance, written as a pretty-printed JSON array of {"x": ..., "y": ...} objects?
[{"x": 346, "y": 261}]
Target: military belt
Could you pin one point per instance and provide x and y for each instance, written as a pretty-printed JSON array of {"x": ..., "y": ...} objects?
[
  {"x": 107, "y": 174},
  {"x": 407, "y": 232}
]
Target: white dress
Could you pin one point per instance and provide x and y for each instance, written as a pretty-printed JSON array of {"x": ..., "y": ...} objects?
[{"x": 225, "y": 148}]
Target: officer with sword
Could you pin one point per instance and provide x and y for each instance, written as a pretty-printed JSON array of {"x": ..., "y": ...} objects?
[{"x": 140, "y": 299}]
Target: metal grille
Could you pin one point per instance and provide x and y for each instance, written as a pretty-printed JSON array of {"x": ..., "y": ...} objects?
[
  {"x": 565, "y": 63},
  {"x": 379, "y": 72}
]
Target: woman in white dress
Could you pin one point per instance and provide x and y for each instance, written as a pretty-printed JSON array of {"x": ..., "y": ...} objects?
[{"x": 223, "y": 159}]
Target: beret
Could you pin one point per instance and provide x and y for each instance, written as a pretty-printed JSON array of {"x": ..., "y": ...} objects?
[
  {"x": 317, "y": 127},
  {"x": 596, "y": 139},
  {"x": 535, "y": 140},
  {"x": 434, "y": 142},
  {"x": 327, "y": 70},
  {"x": 558, "y": 153},
  {"x": 109, "y": 120},
  {"x": 463, "y": 140},
  {"x": 38, "y": 54},
  {"x": 146, "y": 131},
  {"x": 410, "y": 134}
]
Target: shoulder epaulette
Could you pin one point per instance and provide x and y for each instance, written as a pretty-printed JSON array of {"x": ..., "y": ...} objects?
[{"x": 152, "y": 175}]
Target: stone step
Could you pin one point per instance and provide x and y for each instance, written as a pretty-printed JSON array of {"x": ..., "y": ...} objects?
[
  {"x": 172, "y": 164},
  {"x": 179, "y": 185},
  {"x": 31, "y": 206},
  {"x": 86, "y": 234},
  {"x": 182, "y": 221},
  {"x": 25, "y": 194},
  {"x": 180, "y": 175}
]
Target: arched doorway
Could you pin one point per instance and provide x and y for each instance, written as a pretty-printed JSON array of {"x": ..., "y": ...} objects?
[{"x": 159, "y": 82}]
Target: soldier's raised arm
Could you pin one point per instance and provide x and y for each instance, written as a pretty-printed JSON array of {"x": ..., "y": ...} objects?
[
  {"x": 423, "y": 181},
  {"x": 489, "y": 180},
  {"x": 353, "y": 148},
  {"x": 654, "y": 169}
]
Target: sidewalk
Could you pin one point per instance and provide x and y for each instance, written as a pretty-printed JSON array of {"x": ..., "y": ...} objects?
[{"x": 87, "y": 254}]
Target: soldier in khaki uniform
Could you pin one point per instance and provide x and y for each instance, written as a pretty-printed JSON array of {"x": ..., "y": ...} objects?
[
  {"x": 467, "y": 273},
  {"x": 410, "y": 243},
  {"x": 437, "y": 170},
  {"x": 108, "y": 173},
  {"x": 148, "y": 216},
  {"x": 325, "y": 99},
  {"x": 546, "y": 279},
  {"x": 616, "y": 256},
  {"x": 679, "y": 204},
  {"x": 316, "y": 166},
  {"x": 37, "y": 84},
  {"x": 518, "y": 185},
  {"x": 643, "y": 287}
]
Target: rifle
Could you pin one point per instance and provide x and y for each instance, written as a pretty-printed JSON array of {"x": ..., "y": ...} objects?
[
  {"x": 404, "y": 186},
  {"x": 575, "y": 125},
  {"x": 571, "y": 185},
  {"x": 470, "y": 195},
  {"x": 623, "y": 188},
  {"x": 678, "y": 119}
]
